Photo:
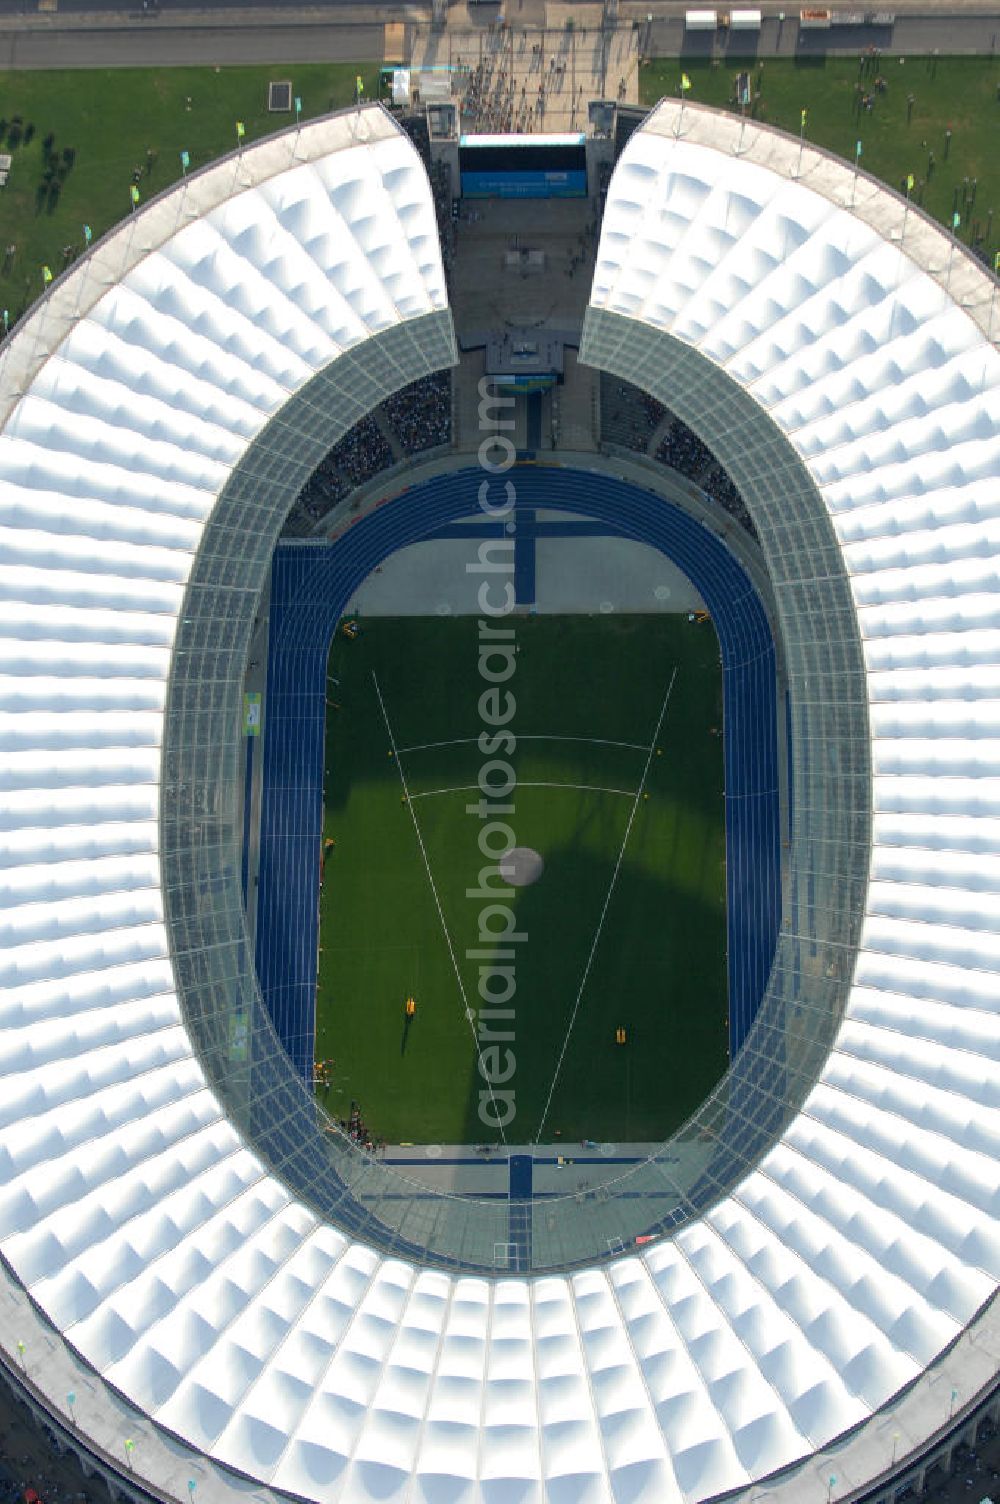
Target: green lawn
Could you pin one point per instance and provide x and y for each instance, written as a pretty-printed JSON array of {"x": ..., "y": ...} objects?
[
  {"x": 955, "y": 92},
  {"x": 107, "y": 119},
  {"x": 659, "y": 965}
]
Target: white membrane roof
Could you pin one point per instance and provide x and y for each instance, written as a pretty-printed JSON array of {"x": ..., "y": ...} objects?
[{"x": 145, "y": 1230}]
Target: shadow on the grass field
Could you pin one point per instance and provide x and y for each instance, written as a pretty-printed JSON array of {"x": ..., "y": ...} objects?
[
  {"x": 659, "y": 970},
  {"x": 676, "y": 1035}
]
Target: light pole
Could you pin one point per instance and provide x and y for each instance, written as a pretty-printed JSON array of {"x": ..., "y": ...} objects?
[
  {"x": 909, "y": 189},
  {"x": 956, "y": 220},
  {"x": 857, "y": 165},
  {"x": 804, "y": 116}
]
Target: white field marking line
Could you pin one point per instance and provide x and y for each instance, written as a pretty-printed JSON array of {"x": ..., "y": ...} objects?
[
  {"x": 592, "y": 741},
  {"x": 604, "y": 910},
  {"x": 437, "y": 902},
  {"x": 587, "y": 788}
]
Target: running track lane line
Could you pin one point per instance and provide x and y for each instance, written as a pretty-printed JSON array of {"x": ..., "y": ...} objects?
[
  {"x": 607, "y": 901},
  {"x": 437, "y": 902}
]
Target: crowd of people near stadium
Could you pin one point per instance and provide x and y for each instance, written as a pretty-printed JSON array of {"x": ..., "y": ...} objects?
[
  {"x": 486, "y": 102},
  {"x": 354, "y": 1125},
  {"x": 504, "y": 94},
  {"x": 418, "y": 418},
  {"x": 33, "y": 1466},
  {"x": 442, "y": 189},
  {"x": 632, "y": 419},
  {"x": 444, "y": 205},
  {"x": 358, "y": 1131}
]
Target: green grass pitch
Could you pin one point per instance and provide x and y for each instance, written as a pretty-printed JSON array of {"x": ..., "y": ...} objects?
[{"x": 658, "y": 969}]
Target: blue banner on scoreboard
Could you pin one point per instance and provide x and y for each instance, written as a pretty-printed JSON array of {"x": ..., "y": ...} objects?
[{"x": 524, "y": 184}]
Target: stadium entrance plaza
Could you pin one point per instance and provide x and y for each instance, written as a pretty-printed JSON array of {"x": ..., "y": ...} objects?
[{"x": 539, "y": 72}]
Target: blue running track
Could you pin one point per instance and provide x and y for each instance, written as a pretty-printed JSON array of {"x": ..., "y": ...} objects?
[
  {"x": 311, "y": 584},
  {"x": 519, "y": 1212}
]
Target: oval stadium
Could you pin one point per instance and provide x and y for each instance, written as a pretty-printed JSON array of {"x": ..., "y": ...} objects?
[{"x": 705, "y": 434}]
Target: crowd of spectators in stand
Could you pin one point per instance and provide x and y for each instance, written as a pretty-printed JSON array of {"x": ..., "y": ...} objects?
[
  {"x": 324, "y": 488},
  {"x": 362, "y": 452},
  {"x": 683, "y": 450},
  {"x": 720, "y": 487},
  {"x": 420, "y": 414},
  {"x": 631, "y": 418}
]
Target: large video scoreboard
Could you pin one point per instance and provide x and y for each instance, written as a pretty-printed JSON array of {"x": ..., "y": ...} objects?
[{"x": 523, "y": 166}]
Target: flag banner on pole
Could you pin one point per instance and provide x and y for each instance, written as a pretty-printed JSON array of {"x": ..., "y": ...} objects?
[
  {"x": 135, "y": 193},
  {"x": 857, "y": 149},
  {"x": 685, "y": 83},
  {"x": 996, "y": 262},
  {"x": 185, "y": 160},
  {"x": 805, "y": 117},
  {"x": 241, "y": 130},
  {"x": 910, "y": 180},
  {"x": 88, "y": 234},
  {"x": 298, "y": 105},
  {"x": 956, "y": 220},
  {"x": 46, "y": 275},
  {"x": 359, "y": 84}
]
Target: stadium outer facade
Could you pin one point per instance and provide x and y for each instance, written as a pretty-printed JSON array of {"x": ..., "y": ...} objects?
[{"x": 163, "y": 1259}]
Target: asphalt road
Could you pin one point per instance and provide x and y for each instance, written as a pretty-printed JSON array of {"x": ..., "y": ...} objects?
[
  {"x": 103, "y": 33},
  {"x": 136, "y": 45}
]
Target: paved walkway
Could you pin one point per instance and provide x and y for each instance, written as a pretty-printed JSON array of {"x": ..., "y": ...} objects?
[{"x": 535, "y": 76}]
